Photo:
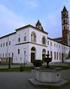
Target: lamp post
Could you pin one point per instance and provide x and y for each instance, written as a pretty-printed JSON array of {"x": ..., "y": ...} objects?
[
  {"x": 21, "y": 67},
  {"x": 9, "y": 62}
]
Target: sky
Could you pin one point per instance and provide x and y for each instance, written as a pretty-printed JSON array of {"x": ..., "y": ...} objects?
[{"x": 17, "y": 13}]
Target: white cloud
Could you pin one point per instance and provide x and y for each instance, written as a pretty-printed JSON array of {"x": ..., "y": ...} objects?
[
  {"x": 9, "y": 20},
  {"x": 32, "y": 3}
]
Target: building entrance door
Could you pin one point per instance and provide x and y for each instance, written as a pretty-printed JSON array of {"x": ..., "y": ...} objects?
[
  {"x": 33, "y": 51},
  {"x": 32, "y": 57}
]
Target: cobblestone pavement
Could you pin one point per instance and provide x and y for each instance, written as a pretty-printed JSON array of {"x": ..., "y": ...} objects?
[{"x": 19, "y": 80}]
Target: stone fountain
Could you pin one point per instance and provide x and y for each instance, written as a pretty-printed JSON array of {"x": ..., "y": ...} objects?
[{"x": 47, "y": 76}]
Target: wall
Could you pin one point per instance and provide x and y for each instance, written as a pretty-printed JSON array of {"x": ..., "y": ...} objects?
[{"x": 26, "y": 45}]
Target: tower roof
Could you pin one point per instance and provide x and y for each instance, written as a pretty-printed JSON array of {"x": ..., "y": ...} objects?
[
  {"x": 64, "y": 9},
  {"x": 39, "y": 26},
  {"x": 38, "y": 23}
]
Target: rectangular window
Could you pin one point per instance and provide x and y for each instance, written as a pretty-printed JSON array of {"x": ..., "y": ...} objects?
[
  {"x": 24, "y": 52},
  {"x": 6, "y": 55},
  {"x": 48, "y": 42},
  {"x": 9, "y": 54},
  {"x": 12, "y": 55},
  {"x": 54, "y": 44},
  {"x": 24, "y": 56},
  {"x": 47, "y": 52},
  {"x": 55, "y": 55},
  {"x": 51, "y": 54},
  {"x": 59, "y": 46},
  {"x": 60, "y": 56},
  {"x": 19, "y": 39},
  {"x": 6, "y": 43},
  {"x": 9, "y": 42},
  {"x": 3, "y": 54},
  {"x": 3, "y": 44},
  {"x": 24, "y": 38},
  {"x": 18, "y": 51},
  {"x": 51, "y": 43}
]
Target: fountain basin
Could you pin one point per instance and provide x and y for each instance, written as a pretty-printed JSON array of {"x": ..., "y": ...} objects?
[{"x": 47, "y": 77}]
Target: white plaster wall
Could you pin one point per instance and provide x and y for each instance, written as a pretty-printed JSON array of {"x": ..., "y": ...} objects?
[
  {"x": 38, "y": 45},
  {"x": 38, "y": 51},
  {"x": 57, "y": 48},
  {"x": 9, "y": 49},
  {"x": 22, "y": 33},
  {"x": 20, "y": 57},
  {"x": 39, "y": 36},
  {"x": 27, "y": 45},
  {"x": 69, "y": 39}
]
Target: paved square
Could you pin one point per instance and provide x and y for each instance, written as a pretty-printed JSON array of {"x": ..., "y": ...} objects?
[{"x": 19, "y": 80}]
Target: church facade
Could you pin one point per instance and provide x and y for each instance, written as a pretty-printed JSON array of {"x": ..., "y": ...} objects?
[{"x": 31, "y": 43}]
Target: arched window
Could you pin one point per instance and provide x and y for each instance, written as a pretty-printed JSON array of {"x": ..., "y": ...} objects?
[
  {"x": 44, "y": 51},
  {"x": 44, "y": 40},
  {"x": 43, "y": 54},
  {"x": 33, "y": 49},
  {"x": 33, "y": 54},
  {"x": 33, "y": 37}
]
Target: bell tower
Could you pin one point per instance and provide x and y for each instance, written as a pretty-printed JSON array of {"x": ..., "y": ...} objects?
[{"x": 65, "y": 26}]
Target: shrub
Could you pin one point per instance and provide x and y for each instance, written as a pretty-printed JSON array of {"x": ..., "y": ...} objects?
[
  {"x": 37, "y": 63},
  {"x": 21, "y": 68}
]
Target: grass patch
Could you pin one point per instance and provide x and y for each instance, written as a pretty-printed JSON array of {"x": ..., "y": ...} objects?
[
  {"x": 62, "y": 67},
  {"x": 58, "y": 67},
  {"x": 16, "y": 69},
  {"x": 21, "y": 68}
]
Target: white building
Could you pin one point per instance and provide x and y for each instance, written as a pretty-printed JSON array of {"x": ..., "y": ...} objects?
[{"x": 30, "y": 43}]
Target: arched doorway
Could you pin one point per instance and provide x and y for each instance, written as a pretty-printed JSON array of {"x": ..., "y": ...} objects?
[
  {"x": 33, "y": 52},
  {"x": 43, "y": 54}
]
